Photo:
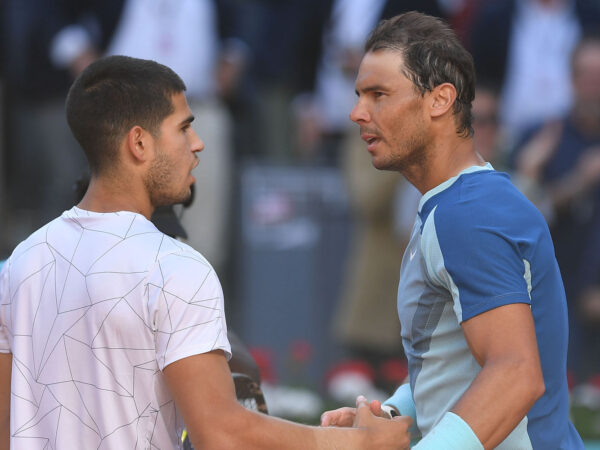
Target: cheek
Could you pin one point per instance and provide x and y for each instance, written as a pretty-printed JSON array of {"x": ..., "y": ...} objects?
[
  {"x": 394, "y": 116},
  {"x": 398, "y": 125}
]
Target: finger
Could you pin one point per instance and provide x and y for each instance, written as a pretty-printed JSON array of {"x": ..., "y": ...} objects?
[
  {"x": 375, "y": 407},
  {"x": 361, "y": 401},
  {"x": 342, "y": 417},
  {"x": 328, "y": 419},
  {"x": 363, "y": 411}
]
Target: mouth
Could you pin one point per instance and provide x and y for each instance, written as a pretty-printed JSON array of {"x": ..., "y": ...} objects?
[
  {"x": 191, "y": 170},
  {"x": 371, "y": 140}
]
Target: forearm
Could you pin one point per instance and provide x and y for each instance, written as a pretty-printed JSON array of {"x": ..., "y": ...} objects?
[
  {"x": 499, "y": 398},
  {"x": 216, "y": 420},
  {"x": 304, "y": 437},
  {"x": 248, "y": 429},
  {"x": 5, "y": 434}
]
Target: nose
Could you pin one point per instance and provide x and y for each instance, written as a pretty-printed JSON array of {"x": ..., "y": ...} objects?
[
  {"x": 197, "y": 143},
  {"x": 359, "y": 113}
]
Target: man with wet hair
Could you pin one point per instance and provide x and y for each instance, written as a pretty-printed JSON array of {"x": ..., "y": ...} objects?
[{"x": 481, "y": 301}]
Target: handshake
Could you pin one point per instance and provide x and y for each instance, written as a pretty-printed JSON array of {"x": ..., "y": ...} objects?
[{"x": 385, "y": 429}]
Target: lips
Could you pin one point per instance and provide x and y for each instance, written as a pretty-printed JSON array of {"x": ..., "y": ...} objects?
[
  {"x": 370, "y": 139},
  {"x": 196, "y": 162}
]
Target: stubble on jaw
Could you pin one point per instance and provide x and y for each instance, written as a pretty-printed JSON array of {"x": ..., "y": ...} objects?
[
  {"x": 159, "y": 179},
  {"x": 409, "y": 145},
  {"x": 408, "y": 154},
  {"x": 415, "y": 158}
]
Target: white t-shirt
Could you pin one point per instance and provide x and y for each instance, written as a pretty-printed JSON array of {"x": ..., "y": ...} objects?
[{"x": 93, "y": 307}]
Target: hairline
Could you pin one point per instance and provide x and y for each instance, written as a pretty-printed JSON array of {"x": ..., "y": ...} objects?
[{"x": 401, "y": 51}]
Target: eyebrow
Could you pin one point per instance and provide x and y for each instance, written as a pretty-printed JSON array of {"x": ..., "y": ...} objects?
[
  {"x": 375, "y": 87},
  {"x": 187, "y": 120}
]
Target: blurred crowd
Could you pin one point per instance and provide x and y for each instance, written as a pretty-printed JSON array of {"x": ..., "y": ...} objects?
[{"x": 272, "y": 81}]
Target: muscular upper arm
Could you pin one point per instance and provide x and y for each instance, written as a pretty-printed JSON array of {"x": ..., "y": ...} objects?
[
  {"x": 5, "y": 373},
  {"x": 203, "y": 390},
  {"x": 504, "y": 332},
  {"x": 503, "y": 342}
]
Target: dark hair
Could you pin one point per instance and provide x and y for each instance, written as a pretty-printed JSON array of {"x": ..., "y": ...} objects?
[
  {"x": 432, "y": 55},
  {"x": 112, "y": 95}
]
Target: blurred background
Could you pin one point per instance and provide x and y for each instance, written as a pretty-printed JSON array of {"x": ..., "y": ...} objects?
[{"x": 306, "y": 236}]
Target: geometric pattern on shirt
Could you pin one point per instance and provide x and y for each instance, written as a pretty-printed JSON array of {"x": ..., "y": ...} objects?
[{"x": 93, "y": 322}]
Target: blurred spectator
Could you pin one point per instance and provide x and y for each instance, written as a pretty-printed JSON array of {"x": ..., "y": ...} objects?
[
  {"x": 287, "y": 47},
  {"x": 563, "y": 158},
  {"x": 366, "y": 321},
  {"x": 491, "y": 144},
  {"x": 524, "y": 46},
  {"x": 461, "y": 15}
]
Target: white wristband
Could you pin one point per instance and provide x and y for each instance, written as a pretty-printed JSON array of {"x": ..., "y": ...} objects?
[{"x": 451, "y": 433}]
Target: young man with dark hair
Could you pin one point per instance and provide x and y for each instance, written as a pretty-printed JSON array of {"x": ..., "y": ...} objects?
[
  {"x": 112, "y": 334},
  {"x": 480, "y": 300}
]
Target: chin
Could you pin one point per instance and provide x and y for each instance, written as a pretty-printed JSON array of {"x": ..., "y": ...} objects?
[
  {"x": 181, "y": 199},
  {"x": 187, "y": 197},
  {"x": 173, "y": 199},
  {"x": 381, "y": 164}
]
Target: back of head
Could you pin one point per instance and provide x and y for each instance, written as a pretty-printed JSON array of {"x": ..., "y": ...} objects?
[
  {"x": 432, "y": 55},
  {"x": 114, "y": 94}
]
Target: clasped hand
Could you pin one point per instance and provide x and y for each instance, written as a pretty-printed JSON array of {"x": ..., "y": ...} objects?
[{"x": 384, "y": 433}]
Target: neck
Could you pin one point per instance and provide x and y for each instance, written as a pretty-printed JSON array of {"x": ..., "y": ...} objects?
[
  {"x": 444, "y": 159},
  {"x": 109, "y": 194}
]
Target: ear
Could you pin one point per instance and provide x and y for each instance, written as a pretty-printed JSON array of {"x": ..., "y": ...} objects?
[
  {"x": 442, "y": 98},
  {"x": 140, "y": 144}
]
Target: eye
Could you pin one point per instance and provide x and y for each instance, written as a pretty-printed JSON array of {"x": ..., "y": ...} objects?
[
  {"x": 378, "y": 94},
  {"x": 185, "y": 128}
]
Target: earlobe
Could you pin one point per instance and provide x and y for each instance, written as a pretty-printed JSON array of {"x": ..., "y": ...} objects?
[{"x": 443, "y": 97}]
